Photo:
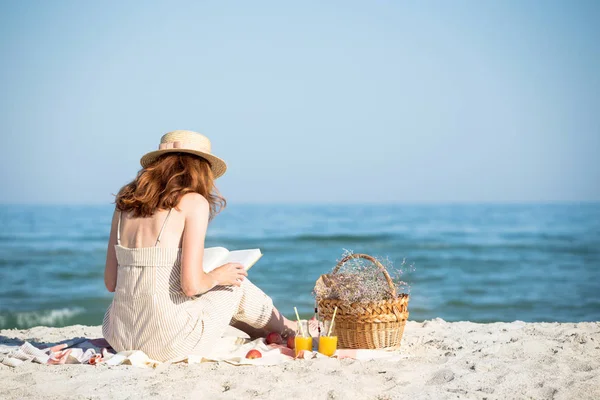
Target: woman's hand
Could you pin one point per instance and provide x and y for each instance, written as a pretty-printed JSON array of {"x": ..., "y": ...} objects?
[{"x": 230, "y": 274}]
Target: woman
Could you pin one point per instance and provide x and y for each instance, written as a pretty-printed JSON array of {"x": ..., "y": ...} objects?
[{"x": 164, "y": 302}]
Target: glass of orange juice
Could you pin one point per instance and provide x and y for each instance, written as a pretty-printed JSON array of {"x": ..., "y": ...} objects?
[
  {"x": 327, "y": 344},
  {"x": 303, "y": 340}
]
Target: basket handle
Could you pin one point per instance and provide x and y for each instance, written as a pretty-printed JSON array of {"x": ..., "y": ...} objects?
[{"x": 387, "y": 276}]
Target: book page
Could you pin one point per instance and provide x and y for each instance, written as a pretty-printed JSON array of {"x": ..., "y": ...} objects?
[
  {"x": 214, "y": 257},
  {"x": 245, "y": 257}
]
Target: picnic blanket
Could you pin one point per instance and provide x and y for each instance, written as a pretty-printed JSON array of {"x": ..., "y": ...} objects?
[
  {"x": 231, "y": 348},
  {"x": 82, "y": 350}
]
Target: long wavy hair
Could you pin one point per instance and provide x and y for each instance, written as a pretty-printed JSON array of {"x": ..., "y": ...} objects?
[{"x": 161, "y": 185}]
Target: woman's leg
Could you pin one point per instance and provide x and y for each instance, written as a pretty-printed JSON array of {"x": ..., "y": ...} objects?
[
  {"x": 247, "y": 305},
  {"x": 247, "y": 308},
  {"x": 252, "y": 311},
  {"x": 277, "y": 323}
]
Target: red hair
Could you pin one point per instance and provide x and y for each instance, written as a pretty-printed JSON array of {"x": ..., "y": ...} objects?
[{"x": 161, "y": 185}]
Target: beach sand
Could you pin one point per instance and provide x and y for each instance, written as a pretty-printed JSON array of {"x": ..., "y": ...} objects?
[{"x": 444, "y": 360}]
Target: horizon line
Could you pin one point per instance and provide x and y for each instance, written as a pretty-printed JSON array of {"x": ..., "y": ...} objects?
[{"x": 341, "y": 203}]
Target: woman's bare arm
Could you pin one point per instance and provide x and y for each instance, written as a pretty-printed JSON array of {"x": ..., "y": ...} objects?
[
  {"x": 193, "y": 278},
  {"x": 196, "y": 212},
  {"x": 110, "y": 270}
]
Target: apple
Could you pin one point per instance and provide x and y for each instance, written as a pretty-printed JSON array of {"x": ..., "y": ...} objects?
[
  {"x": 291, "y": 343},
  {"x": 274, "y": 338},
  {"x": 253, "y": 354}
]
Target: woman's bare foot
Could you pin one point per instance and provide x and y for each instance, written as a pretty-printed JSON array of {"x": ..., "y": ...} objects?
[
  {"x": 314, "y": 327},
  {"x": 291, "y": 327},
  {"x": 277, "y": 323},
  {"x": 282, "y": 325}
]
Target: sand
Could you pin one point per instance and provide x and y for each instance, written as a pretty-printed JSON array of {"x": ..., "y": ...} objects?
[{"x": 444, "y": 360}]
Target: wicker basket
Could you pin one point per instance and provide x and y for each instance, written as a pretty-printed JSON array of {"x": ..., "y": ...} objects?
[{"x": 374, "y": 325}]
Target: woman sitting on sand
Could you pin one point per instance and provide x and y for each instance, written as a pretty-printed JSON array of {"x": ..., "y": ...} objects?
[{"x": 164, "y": 302}]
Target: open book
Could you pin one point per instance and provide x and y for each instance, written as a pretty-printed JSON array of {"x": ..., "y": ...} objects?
[{"x": 216, "y": 256}]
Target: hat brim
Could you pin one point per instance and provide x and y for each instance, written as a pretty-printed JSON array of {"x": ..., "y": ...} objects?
[{"x": 217, "y": 165}]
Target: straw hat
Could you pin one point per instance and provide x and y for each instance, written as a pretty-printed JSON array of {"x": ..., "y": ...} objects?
[{"x": 186, "y": 142}]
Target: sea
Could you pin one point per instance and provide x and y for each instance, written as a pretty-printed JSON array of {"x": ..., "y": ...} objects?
[{"x": 475, "y": 262}]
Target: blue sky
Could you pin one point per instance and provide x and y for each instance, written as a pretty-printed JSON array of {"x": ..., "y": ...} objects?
[{"x": 381, "y": 101}]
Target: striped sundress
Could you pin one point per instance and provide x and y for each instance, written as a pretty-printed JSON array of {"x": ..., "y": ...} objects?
[{"x": 150, "y": 312}]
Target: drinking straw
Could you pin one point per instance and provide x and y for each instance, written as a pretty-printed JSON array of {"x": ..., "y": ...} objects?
[
  {"x": 299, "y": 324},
  {"x": 332, "y": 319}
]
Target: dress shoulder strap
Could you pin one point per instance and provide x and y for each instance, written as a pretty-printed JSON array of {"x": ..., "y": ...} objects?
[
  {"x": 119, "y": 229},
  {"x": 162, "y": 228}
]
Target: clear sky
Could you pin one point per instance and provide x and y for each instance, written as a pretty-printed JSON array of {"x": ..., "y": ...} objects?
[{"x": 338, "y": 101}]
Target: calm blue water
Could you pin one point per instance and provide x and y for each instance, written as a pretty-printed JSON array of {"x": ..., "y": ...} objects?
[{"x": 472, "y": 262}]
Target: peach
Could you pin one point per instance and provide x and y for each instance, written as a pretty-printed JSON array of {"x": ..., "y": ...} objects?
[
  {"x": 291, "y": 343},
  {"x": 253, "y": 354},
  {"x": 95, "y": 359},
  {"x": 274, "y": 338}
]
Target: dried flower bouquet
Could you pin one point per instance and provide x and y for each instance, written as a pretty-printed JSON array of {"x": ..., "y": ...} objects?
[{"x": 361, "y": 280}]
